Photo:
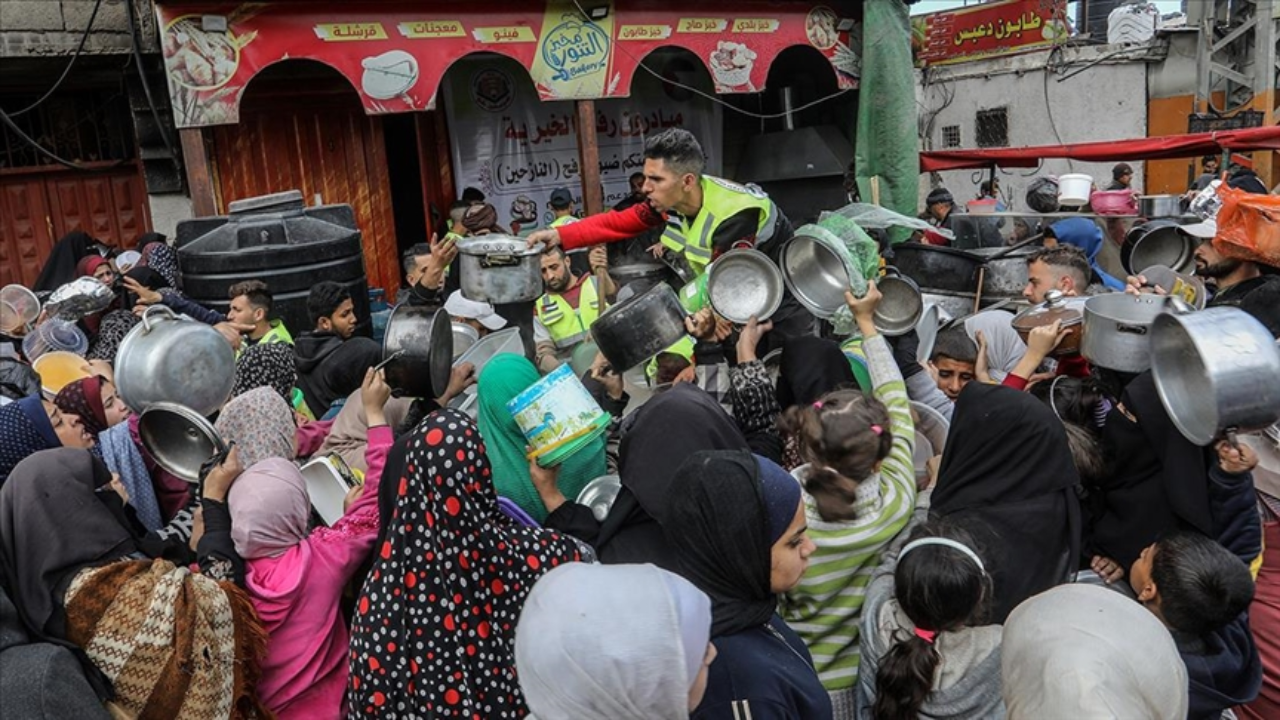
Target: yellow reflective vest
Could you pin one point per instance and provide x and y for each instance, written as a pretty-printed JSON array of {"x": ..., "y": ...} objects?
[
  {"x": 721, "y": 199},
  {"x": 568, "y": 326}
]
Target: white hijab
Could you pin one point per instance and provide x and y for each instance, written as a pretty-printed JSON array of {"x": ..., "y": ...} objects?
[
  {"x": 1004, "y": 346},
  {"x": 623, "y": 642},
  {"x": 1082, "y": 651}
]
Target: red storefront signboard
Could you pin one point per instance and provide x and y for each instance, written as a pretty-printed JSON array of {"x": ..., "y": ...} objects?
[
  {"x": 999, "y": 28},
  {"x": 395, "y": 54}
]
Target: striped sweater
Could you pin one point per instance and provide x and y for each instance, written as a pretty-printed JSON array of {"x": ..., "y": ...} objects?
[{"x": 825, "y": 608}]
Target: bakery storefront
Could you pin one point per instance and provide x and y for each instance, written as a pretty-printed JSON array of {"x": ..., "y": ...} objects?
[{"x": 394, "y": 107}]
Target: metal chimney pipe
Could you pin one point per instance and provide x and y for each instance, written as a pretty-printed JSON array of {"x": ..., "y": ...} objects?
[{"x": 786, "y": 108}]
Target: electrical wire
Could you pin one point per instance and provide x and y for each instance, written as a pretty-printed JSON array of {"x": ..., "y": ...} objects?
[
  {"x": 84, "y": 37},
  {"x": 146, "y": 87},
  {"x": 713, "y": 98},
  {"x": 7, "y": 120}
]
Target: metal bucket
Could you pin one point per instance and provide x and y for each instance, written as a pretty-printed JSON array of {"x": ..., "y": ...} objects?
[
  {"x": 1217, "y": 371},
  {"x": 500, "y": 269},
  {"x": 900, "y": 307}
]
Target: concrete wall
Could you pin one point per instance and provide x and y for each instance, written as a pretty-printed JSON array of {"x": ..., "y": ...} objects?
[
  {"x": 44, "y": 28},
  {"x": 1107, "y": 101}
]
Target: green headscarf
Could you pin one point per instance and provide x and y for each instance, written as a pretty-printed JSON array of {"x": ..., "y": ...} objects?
[{"x": 504, "y": 377}]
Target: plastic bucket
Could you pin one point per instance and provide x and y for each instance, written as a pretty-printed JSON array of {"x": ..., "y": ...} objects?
[
  {"x": 558, "y": 416},
  {"x": 1074, "y": 189},
  {"x": 58, "y": 369}
]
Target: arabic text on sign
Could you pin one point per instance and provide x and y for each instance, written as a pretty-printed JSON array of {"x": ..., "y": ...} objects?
[
  {"x": 574, "y": 50},
  {"x": 702, "y": 25},
  {"x": 509, "y": 34},
  {"x": 432, "y": 29},
  {"x": 338, "y": 32},
  {"x": 755, "y": 25},
  {"x": 1012, "y": 29},
  {"x": 644, "y": 32}
]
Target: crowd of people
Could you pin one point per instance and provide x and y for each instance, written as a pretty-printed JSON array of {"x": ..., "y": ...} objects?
[{"x": 785, "y": 542}]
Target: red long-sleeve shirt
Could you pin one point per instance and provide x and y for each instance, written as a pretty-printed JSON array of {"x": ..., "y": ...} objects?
[
  {"x": 1070, "y": 366},
  {"x": 611, "y": 226}
]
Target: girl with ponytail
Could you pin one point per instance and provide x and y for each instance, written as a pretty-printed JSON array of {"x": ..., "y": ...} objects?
[
  {"x": 923, "y": 607},
  {"x": 859, "y": 487}
]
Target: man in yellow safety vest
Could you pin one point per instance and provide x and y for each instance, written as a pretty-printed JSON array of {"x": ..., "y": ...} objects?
[
  {"x": 570, "y": 305},
  {"x": 704, "y": 217}
]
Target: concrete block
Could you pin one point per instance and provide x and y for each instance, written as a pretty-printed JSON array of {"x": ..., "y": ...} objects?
[
  {"x": 113, "y": 16},
  {"x": 30, "y": 15}
]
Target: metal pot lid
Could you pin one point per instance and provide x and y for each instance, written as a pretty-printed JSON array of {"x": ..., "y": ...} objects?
[
  {"x": 464, "y": 336},
  {"x": 498, "y": 244},
  {"x": 1055, "y": 307},
  {"x": 600, "y": 494},
  {"x": 742, "y": 283},
  {"x": 180, "y": 439}
]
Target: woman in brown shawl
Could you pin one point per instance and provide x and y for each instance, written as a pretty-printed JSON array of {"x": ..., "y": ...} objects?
[{"x": 154, "y": 638}]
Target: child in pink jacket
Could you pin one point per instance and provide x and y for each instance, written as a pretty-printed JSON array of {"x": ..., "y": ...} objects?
[{"x": 296, "y": 579}]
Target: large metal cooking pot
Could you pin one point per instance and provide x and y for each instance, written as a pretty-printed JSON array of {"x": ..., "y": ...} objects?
[
  {"x": 417, "y": 352},
  {"x": 938, "y": 268},
  {"x": 1157, "y": 242},
  {"x": 630, "y": 272},
  {"x": 1116, "y": 328},
  {"x": 1160, "y": 206},
  {"x": 1005, "y": 276},
  {"x": 500, "y": 269},
  {"x": 180, "y": 439},
  {"x": 744, "y": 283},
  {"x": 635, "y": 330},
  {"x": 166, "y": 358},
  {"x": 1217, "y": 371}
]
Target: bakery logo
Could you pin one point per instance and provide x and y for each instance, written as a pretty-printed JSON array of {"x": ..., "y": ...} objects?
[
  {"x": 492, "y": 90},
  {"x": 573, "y": 50}
]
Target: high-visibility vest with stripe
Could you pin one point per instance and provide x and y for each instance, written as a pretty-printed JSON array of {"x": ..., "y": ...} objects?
[
  {"x": 568, "y": 326},
  {"x": 721, "y": 199},
  {"x": 563, "y": 221}
]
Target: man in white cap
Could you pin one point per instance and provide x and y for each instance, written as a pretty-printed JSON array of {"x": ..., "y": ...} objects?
[{"x": 479, "y": 315}]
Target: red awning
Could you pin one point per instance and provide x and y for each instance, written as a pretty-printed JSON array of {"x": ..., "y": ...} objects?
[
  {"x": 1154, "y": 148},
  {"x": 395, "y": 52}
]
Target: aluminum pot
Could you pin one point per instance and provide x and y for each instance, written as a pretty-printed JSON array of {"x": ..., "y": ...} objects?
[
  {"x": 938, "y": 268},
  {"x": 464, "y": 337},
  {"x": 417, "y": 352},
  {"x": 1217, "y": 372},
  {"x": 500, "y": 269},
  {"x": 635, "y": 330},
  {"x": 1158, "y": 242},
  {"x": 901, "y": 306},
  {"x": 744, "y": 283},
  {"x": 180, "y": 439},
  {"x": 1160, "y": 206},
  {"x": 815, "y": 274},
  {"x": 166, "y": 358},
  {"x": 1116, "y": 327}
]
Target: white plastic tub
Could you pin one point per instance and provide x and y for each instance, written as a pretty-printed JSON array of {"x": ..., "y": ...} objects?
[{"x": 1074, "y": 189}]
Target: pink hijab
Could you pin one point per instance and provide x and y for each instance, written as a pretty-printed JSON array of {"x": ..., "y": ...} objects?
[{"x": 269, "y": 509}]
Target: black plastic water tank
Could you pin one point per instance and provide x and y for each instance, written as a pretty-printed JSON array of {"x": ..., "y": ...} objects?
[{"x": 280, "y": 241}]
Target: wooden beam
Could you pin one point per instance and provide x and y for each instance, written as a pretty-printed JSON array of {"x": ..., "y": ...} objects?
[
  {"x": 589, "y": 158},
  {"x": 195, "y": 158}
]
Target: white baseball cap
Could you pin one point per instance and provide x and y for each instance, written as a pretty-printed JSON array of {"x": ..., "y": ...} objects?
[
  {"x": 459, "y": 306},
  {"x": 1205, "y": 230}
]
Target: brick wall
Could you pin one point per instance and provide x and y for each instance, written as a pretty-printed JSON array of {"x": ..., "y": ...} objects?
[{"x": 50, "y": 28}]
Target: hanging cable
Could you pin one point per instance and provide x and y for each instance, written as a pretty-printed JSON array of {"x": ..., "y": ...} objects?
[
  {"x": 136, "y": 41},
  {"x": 84, "y": 37}
]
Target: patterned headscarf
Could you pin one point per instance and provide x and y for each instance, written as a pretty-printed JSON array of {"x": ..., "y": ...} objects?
[
  {"x": 163, "y": 259},
  {"x": 24, "y": 430},
  {"x": 83, "y": 398},
  {"x": 266, "y": 365},
  {"x": 261, "y": 424},
  {"x": 435, "y": 623},
  {"x": 115, "y": 325}
]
